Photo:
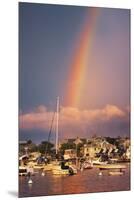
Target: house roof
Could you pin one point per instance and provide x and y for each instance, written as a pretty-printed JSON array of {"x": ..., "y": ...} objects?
[
  {"x": 73, "y": 140},
  {"x": 23, "y": 142}
]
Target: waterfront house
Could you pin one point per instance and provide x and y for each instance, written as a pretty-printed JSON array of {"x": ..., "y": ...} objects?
[
  {"x": 97, "y": 147},
  {"x": 69, "y": 154},
  {"x": 128, "y": 153},
  {"x": 89, "y": 150}
]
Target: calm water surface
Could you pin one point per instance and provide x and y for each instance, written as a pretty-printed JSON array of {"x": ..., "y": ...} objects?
[{"x": 83, "y": 182}]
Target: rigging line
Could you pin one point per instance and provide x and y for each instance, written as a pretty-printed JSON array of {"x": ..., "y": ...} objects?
[{"x": 49, "y": 133}]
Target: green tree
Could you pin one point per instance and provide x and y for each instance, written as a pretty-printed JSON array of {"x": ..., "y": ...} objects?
[
  {"x": 21, "y": 149},
  {"x": 45, "y": 147},
  {"x": 29, "y": 142},
  {"x": 111, "y": 140},
  {"x": 33, "y": 147}
]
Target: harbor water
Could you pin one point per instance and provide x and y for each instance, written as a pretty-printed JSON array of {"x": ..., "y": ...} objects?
[{"x": 87, "y": 181}]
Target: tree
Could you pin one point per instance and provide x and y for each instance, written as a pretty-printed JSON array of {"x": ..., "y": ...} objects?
[
  {"x": 45, "y": 147},
  {"x": 29, "y": 142},
  {"x": 111, "y": 140},
  {"x": 33, "y": 147}
]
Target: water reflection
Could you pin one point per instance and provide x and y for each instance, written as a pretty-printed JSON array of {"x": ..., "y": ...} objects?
[{"x": 83, "y": 182}]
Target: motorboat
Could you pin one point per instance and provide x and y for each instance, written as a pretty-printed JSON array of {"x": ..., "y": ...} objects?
[
  {"x": 26, "y": 170},
  {"x": 99, "y": 162},
  {"x": 87, "y": 165}
]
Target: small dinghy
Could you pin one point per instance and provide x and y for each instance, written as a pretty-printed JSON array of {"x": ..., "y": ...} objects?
[
  {"x": 87, "y": 165},
  {"x": 115, "y": 173}
]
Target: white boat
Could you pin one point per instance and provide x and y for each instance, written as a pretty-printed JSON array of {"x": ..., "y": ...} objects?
[
  {"x": 22, "y": 171},
  {"x": 73, "y": 168},
  {"x": 99, "y": 162},
  {"x": 116, "y": 173},
  {"x": 26, "y": 171},
  {"x": 58, "y": 171},
  {"x": 87, "y": 165},
  {"x": 112, "y": 167},
  {"x": 38, "y": 166},
  {"x": 69, "y": 170},
  {"x": 60, "y": 168},
  {"x": 34, "y": 165},
  {"x": 48, "y": 167}
]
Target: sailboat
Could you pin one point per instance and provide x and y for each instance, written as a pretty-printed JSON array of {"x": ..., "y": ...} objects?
[{"x": 59, "y": 168}]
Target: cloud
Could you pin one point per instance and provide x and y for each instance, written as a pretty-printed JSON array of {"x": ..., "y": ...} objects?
[
  {"x": 73, "y": 121},
  {"x": 37, "y": 119}
]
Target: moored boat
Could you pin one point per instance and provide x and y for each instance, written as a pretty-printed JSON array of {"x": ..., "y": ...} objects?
[
  {"x": 22, "y": 171},
  {"x": 116, "y": 173},
  {"x": 48, "y": 167},
  {"x": 87, "y": 165},
  {"x": 112, "y": 166},
  {"x": 58, "y": 171},
  {"x": 62, "y": 169},
  {"x": 38, "y": 166},
  {"x": 99, "y": 162}
]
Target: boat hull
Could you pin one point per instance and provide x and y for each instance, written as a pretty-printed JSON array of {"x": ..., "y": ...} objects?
[
  {"x": 115, "y": 173},
  {"x": 112, "y": 166}
]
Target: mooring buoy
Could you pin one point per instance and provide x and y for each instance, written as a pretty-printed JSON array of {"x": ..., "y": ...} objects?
[
  {"x": 30, "y": 181},
  {"x": 43, "y": 174},
  {"x": 100, "y": 174}
]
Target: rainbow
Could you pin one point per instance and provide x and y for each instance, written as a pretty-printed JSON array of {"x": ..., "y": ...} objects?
[{"x": 79, "y": 62}]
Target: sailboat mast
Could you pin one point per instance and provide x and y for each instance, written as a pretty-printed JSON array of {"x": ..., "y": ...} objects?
[{"x": 57, "y": 124}]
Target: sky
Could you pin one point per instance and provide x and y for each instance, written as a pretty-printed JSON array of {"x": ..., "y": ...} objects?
[{"x": 82, "y": 55}]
